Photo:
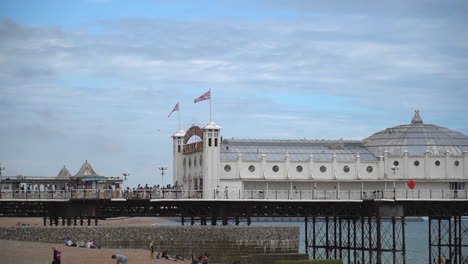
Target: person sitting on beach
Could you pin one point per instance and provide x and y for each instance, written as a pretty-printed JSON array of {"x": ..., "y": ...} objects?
[
  {"x": 195, "y": 260},
  {"x": 165, "y": 256},
  {"x": 158, "y": 256},
  {"x": 121, "y": 259}
]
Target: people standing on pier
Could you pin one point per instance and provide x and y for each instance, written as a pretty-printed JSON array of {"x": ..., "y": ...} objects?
[{"x": 121, "y": 259}]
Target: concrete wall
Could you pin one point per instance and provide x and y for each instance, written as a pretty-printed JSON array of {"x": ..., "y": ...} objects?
[{"x": 223, "y": 244}]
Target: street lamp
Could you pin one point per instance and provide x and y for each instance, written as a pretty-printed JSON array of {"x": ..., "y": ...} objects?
[
  {"x": 394, "y": 168},
  {"x": 1, "y": 168},
  {"x": 125, "y": 174},
  {"x": 162, "y": 168}
]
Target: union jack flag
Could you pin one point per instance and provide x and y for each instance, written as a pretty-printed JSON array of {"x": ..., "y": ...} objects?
[
  {"x": 176, "y": 108},
  {"x": 203, "y": 97}
]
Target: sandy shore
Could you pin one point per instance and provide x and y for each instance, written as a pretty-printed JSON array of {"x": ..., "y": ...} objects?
[
  {"x": 124, "y": 221},
  {"x": 19, "y": 252}
]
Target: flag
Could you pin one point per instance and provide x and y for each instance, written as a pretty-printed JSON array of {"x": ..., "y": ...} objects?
[
  {"x": 176, "y": 108},
  {"x": 203, "y": 97}
]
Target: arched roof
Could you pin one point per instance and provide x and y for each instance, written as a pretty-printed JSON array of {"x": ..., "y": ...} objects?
[{"x": 417, "y": 138}]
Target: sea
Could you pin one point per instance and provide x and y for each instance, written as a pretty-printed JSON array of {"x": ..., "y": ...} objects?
[{"x": 417, "y": 237}]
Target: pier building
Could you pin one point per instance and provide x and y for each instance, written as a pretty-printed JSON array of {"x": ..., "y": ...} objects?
[{"x": 429, "y": 157}]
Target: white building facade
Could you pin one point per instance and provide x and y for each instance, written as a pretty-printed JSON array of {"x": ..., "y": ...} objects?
[{"x": 433, "y": 158}]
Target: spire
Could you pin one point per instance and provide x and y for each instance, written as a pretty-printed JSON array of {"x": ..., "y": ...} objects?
[{"x": 416, "y": 119}]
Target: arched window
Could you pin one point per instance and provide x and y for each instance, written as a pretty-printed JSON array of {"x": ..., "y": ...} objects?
[
  {"x": 209, "y": 142},
  {"x": 216, "y": 142},
  {"x": 178, "y": 148}
]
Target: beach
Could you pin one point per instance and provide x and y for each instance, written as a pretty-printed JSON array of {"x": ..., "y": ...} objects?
[
  {"x": 26, "y": 252},
  {"x": 29, "y": 252}
]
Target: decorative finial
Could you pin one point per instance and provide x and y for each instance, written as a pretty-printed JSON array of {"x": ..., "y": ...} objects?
[{"x": 416, "y": 119}]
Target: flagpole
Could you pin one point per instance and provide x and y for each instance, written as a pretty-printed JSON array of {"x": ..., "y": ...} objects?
[
  {"x": 211, "y": 96},
  {"x": 178, "y": 114}
]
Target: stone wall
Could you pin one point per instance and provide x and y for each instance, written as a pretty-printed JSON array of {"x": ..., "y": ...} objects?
[{"x": 224, "y": 244}]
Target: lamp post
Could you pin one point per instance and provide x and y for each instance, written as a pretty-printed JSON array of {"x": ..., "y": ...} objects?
[
  {"x": 125, "y": 174},
  {"x": 162, "y": 168},
  {"x": 394, "y": 168},
  {"x": 1, "y": 168}
]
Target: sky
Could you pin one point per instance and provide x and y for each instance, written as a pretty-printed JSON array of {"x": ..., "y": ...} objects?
[{"x": 96, "y": 79}]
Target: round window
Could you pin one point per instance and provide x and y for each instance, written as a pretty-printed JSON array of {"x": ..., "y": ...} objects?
[
  {"x": 457, "y": 163},
  {"x": 369, "y": 169},
  {"x": 396, "y": 163},
  {"x": 437, "y": 163},
  {"x": 299, "y": 168},
  {"x": 346, "y": 169},
  {"x": 416, "y": 163},
  {"x": 227, "y": 168},
  {"x": 323, "y": 169},
  {"x": 275, "y": 168},
  {"x": 251, "y": 168}
]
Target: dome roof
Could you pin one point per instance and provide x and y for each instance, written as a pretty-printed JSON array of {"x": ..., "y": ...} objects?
[{"x": 417, "y": 138}]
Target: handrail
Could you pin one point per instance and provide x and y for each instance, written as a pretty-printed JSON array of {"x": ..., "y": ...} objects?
[{"x": 294, "y": 194}]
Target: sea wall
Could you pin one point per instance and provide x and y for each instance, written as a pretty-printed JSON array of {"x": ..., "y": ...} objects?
[{"x": 224, "y": 244}]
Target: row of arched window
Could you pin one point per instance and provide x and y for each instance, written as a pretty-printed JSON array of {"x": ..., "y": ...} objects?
[{"x": 194, "y": 161}]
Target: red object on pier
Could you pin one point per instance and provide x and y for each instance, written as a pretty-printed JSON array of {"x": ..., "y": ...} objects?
[{"x": 411, "y": 184}]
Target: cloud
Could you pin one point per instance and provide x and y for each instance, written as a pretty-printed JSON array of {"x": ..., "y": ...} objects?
[{"x": 314, "y": 76}]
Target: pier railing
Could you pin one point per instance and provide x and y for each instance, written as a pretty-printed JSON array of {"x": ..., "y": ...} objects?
[{"x": 398, "y": 194}]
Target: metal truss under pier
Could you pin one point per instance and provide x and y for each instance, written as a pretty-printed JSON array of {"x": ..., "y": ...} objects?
[
  {"x": 448, "y": 240},
  {"x": 356, "y": 239}
]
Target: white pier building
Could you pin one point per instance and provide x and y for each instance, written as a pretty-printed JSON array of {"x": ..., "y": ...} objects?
[{"x": 380, "y": 166}]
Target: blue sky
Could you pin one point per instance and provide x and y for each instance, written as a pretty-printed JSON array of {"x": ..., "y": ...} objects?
[{"x": 95, "y": 80}]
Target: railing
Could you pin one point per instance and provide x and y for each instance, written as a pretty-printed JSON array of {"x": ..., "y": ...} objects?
[{"x": 398, "y": 194}]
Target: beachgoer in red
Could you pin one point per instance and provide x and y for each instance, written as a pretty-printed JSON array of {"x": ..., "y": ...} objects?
[{"x": 57, "y": 256}]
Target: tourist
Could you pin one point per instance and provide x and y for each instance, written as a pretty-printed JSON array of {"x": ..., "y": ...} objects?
[
  {"x": 151, "y": 249},
  {"x": 165, "y": 256},
  {"x": 226, "y": 193},
  {"x": 121, "y": 259},
  {"x": 57, "y": 255},
  {"x": 195, "y": 260},
  {"x": 204, "y": 259}
]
